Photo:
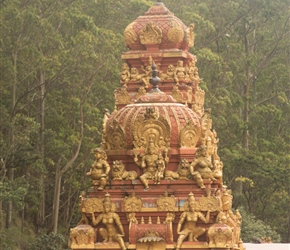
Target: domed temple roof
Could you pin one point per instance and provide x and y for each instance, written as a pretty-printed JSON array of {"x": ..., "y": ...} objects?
[
  {"x": 157, "y": 176},
  {"x": 158, "y": 28}
]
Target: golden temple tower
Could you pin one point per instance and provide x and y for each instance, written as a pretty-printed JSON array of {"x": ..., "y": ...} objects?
[{"x": 157, "y": 177}]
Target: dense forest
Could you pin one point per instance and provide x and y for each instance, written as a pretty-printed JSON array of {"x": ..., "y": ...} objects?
[{"x": 60, "y": 62}]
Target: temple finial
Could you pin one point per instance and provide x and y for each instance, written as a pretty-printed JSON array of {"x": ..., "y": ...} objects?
[{"x": 154, "y": 80}]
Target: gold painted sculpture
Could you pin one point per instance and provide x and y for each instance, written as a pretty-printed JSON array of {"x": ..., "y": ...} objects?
[
  {"x": 198, "y": 103},
  {"x": 166, "y": 203},
  {"x": 119, "y": 172},
  {"x": 159, "y": 174},
  {"x": 189, "y": 135},
  {"x": 122, "y": 96},
  {"x": 132, "y": 203},
  {"x": 125, "y": 75},
  {"x": 190, "y": 35},
  {"x": 180, "y": 72},
  {"x": 192, "y": 71},
  {"x": 150, "y": 34},
  {"x": 135, "y": 76},
  {"x": 169, "y": 73},
  {"x": 147, "y": 73},
  {"x": 190, "y": 218},
  {"x": 182, "y": 173},
  {"x": 112, "y": 222},
  {"x": 100, "y": 169},
  {"x": 201, "y": 167},
  {"x": 148, "y": 163},
  {"x": 176, "y": 94}
]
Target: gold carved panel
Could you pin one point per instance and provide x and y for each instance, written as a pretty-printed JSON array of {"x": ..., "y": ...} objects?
[
  {"x": 151, "y": 34},
  {"x": 130, "y": 35},
  {"x": 175, "y": 33},
  {"x": 151, "y": 127},
  {"x": 189, "y": 135},
  {"x": 115, "y": 136},
  {"x": 166, "y": 203}
]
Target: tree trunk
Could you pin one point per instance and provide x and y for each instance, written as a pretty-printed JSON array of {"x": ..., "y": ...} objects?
[
  {"x": 41, "y": 211},
  {"x": 55, "y": 208},
  {"x": 60, "y": 172},
  {"x": 10, "y": 170}
]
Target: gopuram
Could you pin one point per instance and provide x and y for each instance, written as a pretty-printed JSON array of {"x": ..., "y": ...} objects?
[{"x": 157, "y": 177}]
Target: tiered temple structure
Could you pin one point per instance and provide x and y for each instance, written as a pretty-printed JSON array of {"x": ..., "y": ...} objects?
[{"x": 157, "y": 177}]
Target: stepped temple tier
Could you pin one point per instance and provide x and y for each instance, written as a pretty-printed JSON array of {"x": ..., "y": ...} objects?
[{"x": 156, "y": 180}]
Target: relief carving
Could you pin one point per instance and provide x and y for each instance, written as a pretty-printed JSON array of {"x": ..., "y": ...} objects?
[
  {"x": 151, "y": 34},
  {"x": 132, "y": 203},
  {"x": 130, "y": 35},
  {"x": 115, "y": 136},
  {"x": 175, "y": 33},
  {"x": 166, "y": 203},
  {"x": 189, "y": 135}
]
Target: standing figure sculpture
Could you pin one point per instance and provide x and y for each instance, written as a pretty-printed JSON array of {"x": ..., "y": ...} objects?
[
  {"x": 201, "y": 167},
  {"x": 100, "y": 169},
  {"x": 190, "y": 218},
  {"x": 112, "y": 222},
  {"x": 159, "y": 174}
]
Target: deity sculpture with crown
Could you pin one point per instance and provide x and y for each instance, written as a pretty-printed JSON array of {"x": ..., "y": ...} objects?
[{"x": 157, "y": 177}]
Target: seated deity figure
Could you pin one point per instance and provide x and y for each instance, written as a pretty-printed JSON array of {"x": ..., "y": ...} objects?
[
  {"x": 203, "y": 166},
  {"x": 125, "y": 75},
  {"x": 180, "y": 72},
  {"x": 100, "y": 169},
  {"x": 112, "y": 222},
  {"x": 189, "y": 218},
  {"x": 148, "y": 163}
]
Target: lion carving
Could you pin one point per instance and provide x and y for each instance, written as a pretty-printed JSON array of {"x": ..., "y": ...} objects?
[
  {"x": 119, "y": 172},
  {"x": 182, "y": 173}
]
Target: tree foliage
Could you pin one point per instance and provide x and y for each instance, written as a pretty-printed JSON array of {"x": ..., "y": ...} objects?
[{"x": 60, "y": 62}]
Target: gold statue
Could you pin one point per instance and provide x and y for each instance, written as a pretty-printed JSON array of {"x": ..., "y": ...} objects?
[
  {"x": 125, "y": 75},
  {"x": 169, "y": 73},
  {"x": 100, "y": 169},
  {"x": 182, "y": 173},
  {"x": 190, "y": 218},
  {"x": 203, "y": 167},
  {"x": 180, "y": 72},
  {"x": 135, "y": 76},
  {"x": 119, "y": 172},
  {"x": 159, "y": 174},
  {"x": 147, "y": 75},
  {"x": 148, "y": 163},
  {"x": 112, "y": 222}
]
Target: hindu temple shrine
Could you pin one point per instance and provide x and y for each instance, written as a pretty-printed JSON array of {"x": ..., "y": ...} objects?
[{"x": 157, "y": 178}]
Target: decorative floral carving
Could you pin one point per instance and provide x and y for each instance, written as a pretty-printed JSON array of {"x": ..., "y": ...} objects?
[
  {"x": 189, "y": 135},
  {"x": 151, "y": 127},
  {"x": 122, "y": 96},
  {"x": 176, "y": 94},
  {"x": 130, "y": 35},
  {"x": 132, "y": 203},
  {"x": 115, "y": 136},
  {"x": 198, "y": 103},
  {"x": 166, "y": 203}
]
